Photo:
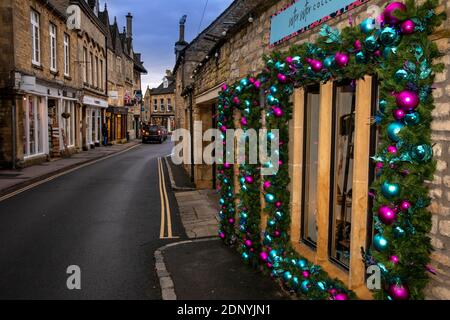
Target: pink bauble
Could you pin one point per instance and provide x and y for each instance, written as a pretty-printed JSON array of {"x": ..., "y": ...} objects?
[
  {"x": 379, "y": 165},
  {"x": 278, "y": 204},
  {"x": 405, "y": 205},
  {"x": 377, "y": 53},
  {"x": 223, "y": 128},
  {"x": 341, "y": 59},
  {"x": 264, "y": 256},
  {"x": 289, "y": 60},
  {"x": 408, "y": 27},
  {"x": 224, "y": 87},
  {"x": 249, "y": 179},
  {"x": 408, "y": 100},
  {"x": 222, "y": 235},
  {"x": 231, "y": 221},
  {"x": 226, "y": 165},
  {"x": 316, "y": 65},
  {"x": 248, "y": 243},
  {"x": 399, "y": 292},
  {"x": 277, "y": 112},
  {"x": 257, "y": 84},
  {"x": 236, "y": 100},
  {"x": 387, "y": 215},
  {"x": 394, "y": 259},
  {"x": 392, "y": 149},
  {"x": 358, "y": 45},
  {"x": 390, "y": 10},
  {"x": 341, "y": 297},
  {"x": 252, "y": 80},
  {"x": 306, "y": 274},
  {"x": 269, "y": 265},
  {"x": 282, "y": 78},
  {"x": 244, "y": 121},
  {"x": 399, "y": 114},
  {"x": 333, "y": 292},
  {"x": 277, "y": 233},
  {"x": 267, "y": 185}
]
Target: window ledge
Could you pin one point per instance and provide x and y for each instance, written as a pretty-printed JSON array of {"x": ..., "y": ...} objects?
[
  {"x": 67, "y": 77},
  {"x": 37, "y": 66},
  {"x": 54, "y": 72}
]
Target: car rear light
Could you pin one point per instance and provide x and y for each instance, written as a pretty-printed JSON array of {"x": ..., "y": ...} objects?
[{"x": 159, "y": 131}]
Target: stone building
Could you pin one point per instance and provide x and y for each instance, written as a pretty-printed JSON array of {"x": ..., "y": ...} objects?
[
  {"x": 161, "y": 103},
  {"x": 39, "y": 82},
  {"x": 238, "y": 53}
]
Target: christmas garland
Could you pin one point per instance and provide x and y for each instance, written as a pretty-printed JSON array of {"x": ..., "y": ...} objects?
[{"x": 401, "y": 55}]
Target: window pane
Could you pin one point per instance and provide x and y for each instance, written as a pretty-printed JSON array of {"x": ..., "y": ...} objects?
[
  {"x": 342, "y": 173},
  {"x": 39, "y": 133},
  {"x": 310, "y": 163},
  {"x": 25, "y": 127},
  {"x": 32, "y": 125}
]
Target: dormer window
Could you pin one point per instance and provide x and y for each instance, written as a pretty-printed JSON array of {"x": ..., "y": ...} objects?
[{"x": 166, "y": 83}]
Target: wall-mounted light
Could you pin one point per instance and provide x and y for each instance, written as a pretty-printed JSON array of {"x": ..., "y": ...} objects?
[
  {"x": 250, "y": 19},
  {"x": 224, "y": 33},
  {"x": 216, "y": 55}
]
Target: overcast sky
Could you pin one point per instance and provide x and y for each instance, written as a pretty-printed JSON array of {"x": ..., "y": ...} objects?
[{"x": 155, "y": 28}]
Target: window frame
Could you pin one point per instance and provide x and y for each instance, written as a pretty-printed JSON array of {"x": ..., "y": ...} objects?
[
  {"x": 162, "y": 106},
  {"x": 53, "y": 36},
  {"x": 66, "y": 55},
  {"x": 155, "y": 105},
  {"x": 35, "y": 20}
]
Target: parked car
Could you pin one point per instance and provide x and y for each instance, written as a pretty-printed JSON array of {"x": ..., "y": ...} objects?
[{"x": 154, "y": 134}]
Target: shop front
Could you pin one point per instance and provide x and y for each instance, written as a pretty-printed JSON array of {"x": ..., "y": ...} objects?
[
  {"x": 356, "y": 114},
  {"x": 116, "y": 121},
  {"x": 94, "y": 119}
]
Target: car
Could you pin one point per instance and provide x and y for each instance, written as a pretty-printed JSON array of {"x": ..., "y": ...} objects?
[{"x": 152, "y": 133}]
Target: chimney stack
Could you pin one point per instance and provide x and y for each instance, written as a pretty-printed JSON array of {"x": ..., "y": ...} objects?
[
  {"x": 129, "y": 26},
  {"x": 182, "y": 28}
]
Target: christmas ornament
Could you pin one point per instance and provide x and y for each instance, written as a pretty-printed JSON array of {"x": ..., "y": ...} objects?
[
  {"x": 389, "y": 36},
  {"x": 399, "y": 114},
  {"x": 383, "y": 105},
  {"x": 390, "y": 11},
  {"x": 407, "y": 100},
  {"x": 248, "y": 243},
  {"x": 244, "y": 121},
  {"x": 302, "y": 263},
  {"x": 408, "y": 27},
  {"x": 282, "y": 78},
  {"x": 390, "y": 190},
  {"x": 380, "y": 243},
  {"x": 341, "y": 297},
  {"x": 399, "y": 232},
  {"x": 405, "y": 205},
  {"x": 249, "y": 179},
  {"x": 270, "y": 198},
  {"x": 368, "y": 25},
  {"x": 328, "y": 62},
  {"x": 412, "y": 119},
  {"x": 287, "y": 276},
  {"x": 422, "y": 153},
  {"x": 371, "y": 43},
  {"x": 267, "y": 184},
  {"x": 401, "y": 75},
  {"x": 394, "y": 259},
  {"x": 357, "y": 45},
  {"x": 398, "y": 292},
  {"x": 387, "y": 215},
  {"x": 389, "y": 51},
  {"x": 360, "y": 57},
  {"x": 273, "y": 90},
  {"x": 264, "y": 256},
  {"x": 305, "y": 286},
  {"x": 305, "y": 274},
  {"x": 316, "y": 65},
  {"x": 394, "y": 129},
  {"x": 392, "y": 149},
  {"x": 277, "y": 112},
  {"x": 341, "y": 59},
  {"x": 272, "y": 100}
]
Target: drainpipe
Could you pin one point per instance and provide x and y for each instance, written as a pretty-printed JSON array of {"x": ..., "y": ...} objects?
[
  {"x": 191, "y": 119},
  {"x": 13, "y": 129}
]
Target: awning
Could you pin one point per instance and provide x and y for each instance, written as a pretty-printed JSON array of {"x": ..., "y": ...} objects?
[
  {"x": 95, "y": 102},
  {"x": 117, "y": 110}
]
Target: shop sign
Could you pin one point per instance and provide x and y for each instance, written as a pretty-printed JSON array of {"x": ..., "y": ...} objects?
[
  {"x": 114, "y": 95},
  {"x": 303, "y": 15}
]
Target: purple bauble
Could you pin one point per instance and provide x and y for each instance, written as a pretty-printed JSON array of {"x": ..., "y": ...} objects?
[
  {"x": 388, "y": 13},
  {"x": 249, "y": 179},
  {"x": 387, "y": 215},
  {"x": 358, "y": 45},
  {"x": 264, "y": 256},
  {"x": 408, "y": 27},
  {"x": 405, "y": 205},
  {"x": 289, "y": 60},
  {"x": 341, "y": 297},
  {"x": 394, "y": 259},
  {"x": 244, "y": 121},
  {"x": 267, "y": 185},
  {"x": 306, "y": 274},
  {"x": 278, "y": 112},
  {"x": 282, "y": 78},
  {"x": 399, "y": 292},
  {"x": 392, "y": 149},
  {"x": 226, "y": 165},
  {"x": 231, "y": 221},
  {"x": 257, "y": 84},
  {"x": 316, "y": 65},
  {"x": 399, "y": 114},
  {"x": 248, "y": 243},
  {"x": 408, "y": 100},
  {"x": 341, "y": 59},
  {"x": 278, "y": 204}
]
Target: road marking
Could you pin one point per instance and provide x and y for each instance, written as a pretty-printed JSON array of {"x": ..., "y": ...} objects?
[
  {"x": 165, "y": 206},
  {"x": 31, "y": 186}
]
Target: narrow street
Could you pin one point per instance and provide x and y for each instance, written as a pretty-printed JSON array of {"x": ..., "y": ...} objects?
[{"x": 104, "y": 218}]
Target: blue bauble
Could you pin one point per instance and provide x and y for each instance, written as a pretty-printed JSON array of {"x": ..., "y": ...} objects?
[
  {"x": 360, "y": 57},
  {"x": 302, "y": 263},
  {"x": 295, "y": 282},
  {"x": 368, "y": 25},
  {"x": 305, "y": 286},
  {"x": 401, "y": 75},
  {"x": 245, "y": 256},
  {"x": 270, "y": 198},
  {"x": 399, "y": 232},
  {"x": 422, "y": 153},
  {"x": 380, "y": 243},
  {"x": 267, "y": 239},
  {"x": 394, "y": 129},
  {"x": 272, "y": 223},
  {"x": 244, "y": 82},
  {"x": 390, "y": 190},
  {"x": 272, "y": 100},
  {"x": 412, "y": 119},
  {"x": 321, "y": 285},
  {"x": 371, "y": 43},
  {"x": 287, "y": 276},
  {"x": 280, "y": 66},
  {"x": 328, "y": 62},
  {"x": 273, "y": 89},
  {"x": 239, "y": 89},
  {"x": 383, "y": 105},
  {"x": 389, "y": 36},
  {"x": 296, "y": 60},
  {"x": 279, "y": 215}
]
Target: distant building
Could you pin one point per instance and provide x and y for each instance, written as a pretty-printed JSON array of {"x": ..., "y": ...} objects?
[{"x": 161, "y": 103}]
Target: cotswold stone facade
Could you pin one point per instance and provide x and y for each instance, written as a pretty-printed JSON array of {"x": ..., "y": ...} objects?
[{"x": 240, "y": 53}]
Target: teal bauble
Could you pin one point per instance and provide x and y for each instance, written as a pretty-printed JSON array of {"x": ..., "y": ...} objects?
[
  {"x": 321, "y": 285},
  {"x": 380, "y": 243},
  {"x": 412, "y": 119},
  {"x": 390, "y": 190},
  {"x": 305, "y": 286},
  {"x": 272, "y": 223},
  {"x": 295, "y": 282},
  {"x": 287, "y": 276},
  {"x": 267, "y": 239},
  {"x": 422, "y": 153},
  {"x": 296, "y": 60},
  {"x": 270, "y": 198},
  {"x": 279, "y": 215},
  {"x": 245, "y": 256},
  {"x": 389, "y": 36},
  {"x": 368, "y": 25},
  {"x": 273, "y": 90},
  {"x": 399, "y": 232},
  {"x": 371, "y": 43},
  {"x": 360, "y": 57},
  {"x": 280, "y": 66},
  {"x": 328, "y": 62},
  {"x": 389, "y": 52},
  {"x": 302, "y": 263},
  {"x": 383, "y": 105},
  {"x": 401, "y": 75},
  {"x": 244, "y": 82},
  {"x": 393, "y": 130}
]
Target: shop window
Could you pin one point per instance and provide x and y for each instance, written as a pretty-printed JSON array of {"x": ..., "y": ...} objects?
[
  {"x": 33, "y": 142},
  {"x": 310, "y": 165},
  {"x": 343, "y": 134}
]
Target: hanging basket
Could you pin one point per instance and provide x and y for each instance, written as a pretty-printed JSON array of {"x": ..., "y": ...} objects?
[{"x": 65, "y": 115}]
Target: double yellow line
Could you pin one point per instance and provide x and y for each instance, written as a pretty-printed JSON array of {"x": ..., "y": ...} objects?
[{"x": 165, "y": 206}]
